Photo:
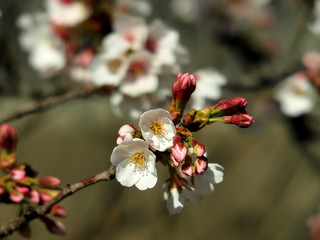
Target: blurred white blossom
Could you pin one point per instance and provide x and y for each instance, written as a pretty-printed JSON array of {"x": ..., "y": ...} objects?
[
  {"x": 296, "y": 95},
  {"x": 67, "y": 14},
  {"x": 315, "y": 25},
  {"x": 209, "y": 83},
  {"x": 46, "y": 51}
]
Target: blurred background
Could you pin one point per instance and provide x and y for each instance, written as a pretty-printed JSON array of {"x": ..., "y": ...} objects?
[{"x": 271, "y": 184}]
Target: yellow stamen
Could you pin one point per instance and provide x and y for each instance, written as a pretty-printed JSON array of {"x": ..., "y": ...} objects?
[
  {"x": 138, "y": 160},
  {"x": 298, "y": 91},
  {"x": 157, "y": 128}
]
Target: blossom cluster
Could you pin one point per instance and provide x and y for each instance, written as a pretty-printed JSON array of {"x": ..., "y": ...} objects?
[
  {"x": 167, "y": 137},
  {"x": 111, "y": 43},
  {"x": 19, "y": 184}
]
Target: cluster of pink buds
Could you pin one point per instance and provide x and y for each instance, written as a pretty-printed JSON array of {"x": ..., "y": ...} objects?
[
  {"x": 167, "y": 136},
  {"x": 19, "y": 184}
]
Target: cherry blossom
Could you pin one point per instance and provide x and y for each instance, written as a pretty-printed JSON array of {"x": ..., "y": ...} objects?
[
  {"x": 157, "y": 129},
  {"x": 135, "y": 164}
]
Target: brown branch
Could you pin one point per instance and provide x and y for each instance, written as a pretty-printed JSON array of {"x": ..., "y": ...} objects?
[
  {"x": 50, "y": 102},
  {"x": 35, "y": 211}
]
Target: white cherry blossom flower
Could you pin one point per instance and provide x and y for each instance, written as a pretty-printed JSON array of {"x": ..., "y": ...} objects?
[
  {"x": 315, "y": 26},
  {"x": 204, "y": 183},
  {"x": 141, "y": 76},
  {"x": 137, "y": 8},
  {"x": 131, "y": 30},
  {"x": 182, "y": 188},
  {"x": 176, "y": 198},
  {"x": 296, "y": 95},
  {"x": 45, "y": 49},
  {"x": 158, "y": 129},
  {"x": 186, "y": 10},
  {"x": 135, "y": 164},
  {"x": 133, "y": 107},
  {"x": 45, "y": 58},
  {"x": 69, "y": 14},
  {"x": 106, "y": 70}
]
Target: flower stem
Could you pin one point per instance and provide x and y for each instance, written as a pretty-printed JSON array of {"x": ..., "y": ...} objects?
[{"x": 50, "y": 102}]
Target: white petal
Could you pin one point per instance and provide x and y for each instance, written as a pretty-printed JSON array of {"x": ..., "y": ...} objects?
[
  {"x": 119, "y": 154},
  {"x": 126, "y": 174},
  {"x": 175, "y": 201},
  {"x": 148, "y": 181},
  {"x": 217, "y": 171}
]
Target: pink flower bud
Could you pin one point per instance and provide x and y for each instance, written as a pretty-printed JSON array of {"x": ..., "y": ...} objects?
[
  {"x": 17, "y": 174},
  {"x": 188, "y": 169},
  {"x": 22, "y": 189},
  {"x": 49, "y": 181},
  {"x": 61, "y": 31},
  {"x": 183, "y": 87},
  {"x": 16, "y": 196},
  {"x": 58, "y": 211},
  {"x": 8, "y": 137},
  {"x": 201, "y": 165},
  {"x": 311, "y": 61},
  {"x": 242, "y": 120},
  {"x": 45, "y": 197},
  {"x": 178, "y": 151},
  {"x": 66, "y": 2},
  {"x": 231, "y": 106},
  {"x": 35, "y": 196},
  {"x": 84, "y": 57},
  {"x": 198, "y": 148},
  {"x": 54, "y": 226},
  {"x": 126, "y": 132},
  {"x": 2, "y": 190}
]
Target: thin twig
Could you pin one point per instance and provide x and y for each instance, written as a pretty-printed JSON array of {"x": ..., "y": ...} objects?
[
  {"x": 34, "y": 212},
  {"x": 50, "y": 102}
]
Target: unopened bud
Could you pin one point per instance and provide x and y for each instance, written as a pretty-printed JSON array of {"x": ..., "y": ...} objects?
[
  {"x": 183, "y": 87},
  {"x": 58, "y": 211},
  {"x": 17, "y": 174},
  {"x": 231, "y": 106},
  {"x": 8, "y": 138},
  {"x": 49, "y": 181},
  {"x": 178, "y": 151},
  {"x": 45, "y": 197},
  {"x": 22, "y": 189},
  {"x": 66, "y": 1},
  {"x": 126, "y": 133},
  {"x": 16, "y": 196},
  {"x": 54, "y": 226},
  {"x": 198, "y": 148},
  {"x": 242, "y": 120},
  {"x": 35, "y": 196},
  {"x": 2, "y": 190},
  {"x": 201, "y": 165},
  {"x": 187, "y": 168}
]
